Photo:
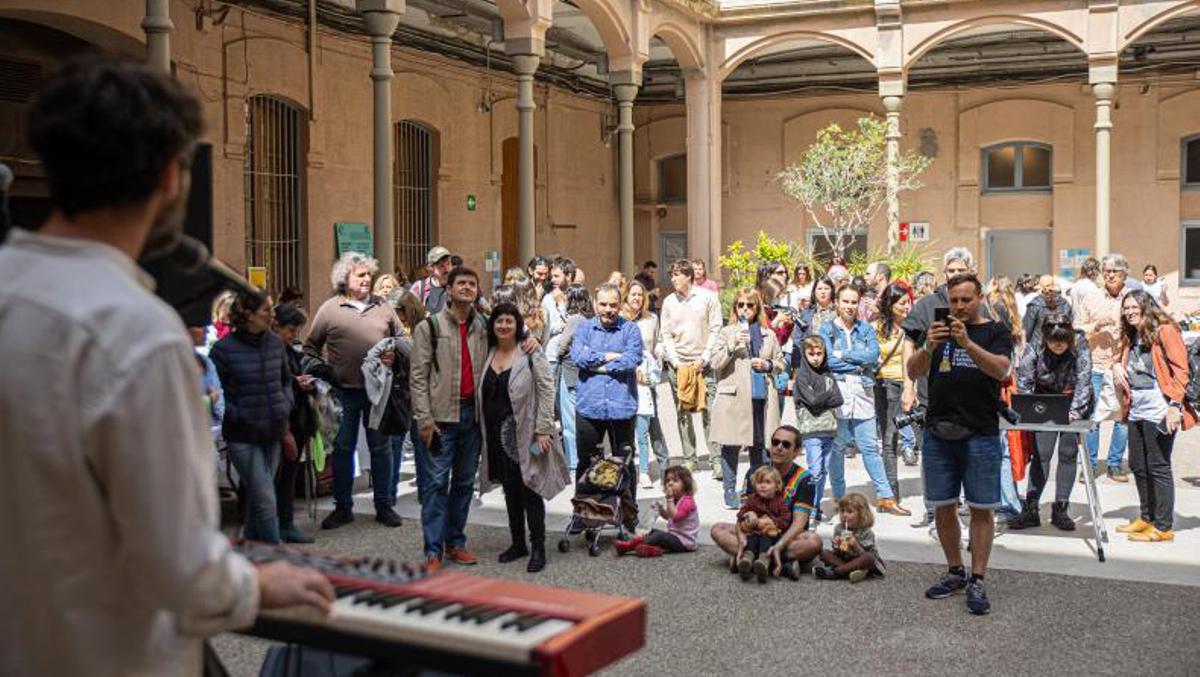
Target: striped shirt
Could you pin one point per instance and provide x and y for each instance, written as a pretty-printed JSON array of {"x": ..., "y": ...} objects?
[{"x": 799, "y": 488}]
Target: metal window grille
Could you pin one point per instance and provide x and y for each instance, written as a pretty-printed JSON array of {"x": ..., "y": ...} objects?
[
  {"x": 413, "y": 188},
  {"x": 276, "y": 145}
]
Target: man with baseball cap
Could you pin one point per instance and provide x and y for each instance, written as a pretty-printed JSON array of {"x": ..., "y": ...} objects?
[{"x": 432, "y": 289}]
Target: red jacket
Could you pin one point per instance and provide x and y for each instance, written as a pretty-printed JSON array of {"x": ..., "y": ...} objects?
[
  {"x": 1170, "y": 368},
  {"x": 776, "y": 509}
]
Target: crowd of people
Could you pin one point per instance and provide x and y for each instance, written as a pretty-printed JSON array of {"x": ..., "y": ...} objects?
[{"x": 526, "y": 389}]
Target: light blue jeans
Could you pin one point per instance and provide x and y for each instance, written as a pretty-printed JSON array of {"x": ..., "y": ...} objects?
[
  {"x": 816, "y": 454},
  {"x": 1120, "y": 435},
  {"x": 1010, "y": 500},
  {"x": 862, "y": 432},
  {"x": 566, "y": 414},
  {"x": 649, "y": 438},
  {"x": 256, "y": 465}
]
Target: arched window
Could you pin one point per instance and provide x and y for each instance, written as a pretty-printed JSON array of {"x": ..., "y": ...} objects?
[
  {"x": 1190, "y": 169},
  {"x": 1018, "y": 166},
  {"x": 414, "y": 186},
  {"x": 276, "y": 148}
]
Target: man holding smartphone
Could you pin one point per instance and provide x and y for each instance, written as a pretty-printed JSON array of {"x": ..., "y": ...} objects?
[{"x": 965, "y": 358}]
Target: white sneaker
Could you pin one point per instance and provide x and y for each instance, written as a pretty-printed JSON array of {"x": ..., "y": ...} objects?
[{"x": 645, "y": 481}]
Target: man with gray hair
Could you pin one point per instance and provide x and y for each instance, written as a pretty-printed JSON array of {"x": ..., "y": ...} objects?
[
  {"x": 345, "y": 327},
  {"x": 1099, "y": 316}
]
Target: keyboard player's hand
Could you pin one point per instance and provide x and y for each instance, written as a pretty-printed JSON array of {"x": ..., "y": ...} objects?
[{"x": 281, "y": 585}]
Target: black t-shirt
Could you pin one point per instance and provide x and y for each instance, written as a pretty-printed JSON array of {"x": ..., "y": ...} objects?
[{"x": 959, "y": 391}]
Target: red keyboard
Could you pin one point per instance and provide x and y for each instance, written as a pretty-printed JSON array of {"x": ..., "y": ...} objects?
[{"x": 397, "y": 613}]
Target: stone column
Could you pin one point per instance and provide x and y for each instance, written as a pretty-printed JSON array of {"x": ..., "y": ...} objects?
[
  {"x": 380, "y": 18},
  {"x": 1103, "y": 92},
  {"x": 892, "y": 105},
  {"x": 526, "y": 65},
  {"x": 625, "y": 92},
  {"x": 703, "y": 102},
  {"x": 157, "y": 26}
]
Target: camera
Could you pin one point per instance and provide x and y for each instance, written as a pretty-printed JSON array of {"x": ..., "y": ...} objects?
[
  {"x": 1009, "y": 414},
  {"x": 916, "y": 417}
]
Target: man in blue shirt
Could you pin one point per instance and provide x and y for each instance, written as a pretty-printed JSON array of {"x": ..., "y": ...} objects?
[{"x": 608, "y": 350}]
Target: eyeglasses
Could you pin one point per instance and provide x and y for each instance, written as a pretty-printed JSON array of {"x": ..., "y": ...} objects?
[
  {"x": 784, "y": 444},
  {"x": 1113, "y": 272},
  {"x": 746, "y": 304}
]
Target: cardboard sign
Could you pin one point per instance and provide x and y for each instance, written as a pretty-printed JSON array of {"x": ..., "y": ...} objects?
[{"x": 257, "y": 276}]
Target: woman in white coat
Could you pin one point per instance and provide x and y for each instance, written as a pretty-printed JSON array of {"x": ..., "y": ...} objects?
[{"x": 744, "y": 361}]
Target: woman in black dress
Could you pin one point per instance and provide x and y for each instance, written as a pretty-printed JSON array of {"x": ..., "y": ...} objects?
[{"x": 521, "y": 452}]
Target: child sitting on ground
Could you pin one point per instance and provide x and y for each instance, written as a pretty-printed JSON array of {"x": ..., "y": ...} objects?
[
  {"x": 679, "y": 510},
  {"x": 854, "y": 554},
  {"x": 764, "y": 516}
]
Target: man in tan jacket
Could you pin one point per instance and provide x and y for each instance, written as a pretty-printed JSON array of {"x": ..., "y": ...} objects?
[{"x": 449, "y": 350}]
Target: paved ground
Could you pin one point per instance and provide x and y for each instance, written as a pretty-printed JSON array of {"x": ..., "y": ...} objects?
[
  {"x": 1056, "y": 608},
  {"x": 704, "y": 621}
]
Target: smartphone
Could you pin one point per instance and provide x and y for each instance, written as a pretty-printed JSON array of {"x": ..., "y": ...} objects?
[{"x": 941, "y": 315}]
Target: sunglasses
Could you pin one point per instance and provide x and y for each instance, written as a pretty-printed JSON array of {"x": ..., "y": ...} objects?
[
  {"x": 746, "y": 304},
  {"x": 785, "y": 444}
]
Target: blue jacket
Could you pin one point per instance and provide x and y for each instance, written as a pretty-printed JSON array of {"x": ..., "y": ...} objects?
[
  {"x": 860, "y": 357},
  {"x": 257, "y": 380},
  {"x": 607, "y": 390}
]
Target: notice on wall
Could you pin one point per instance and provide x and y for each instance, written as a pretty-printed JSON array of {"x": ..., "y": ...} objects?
[
  {"x": 257, "y": 276},
  {"x": 491, "y": 264},
  {"x": 353, "y": 237},
  {"x": 914, "y": 231},
  {"x": 1071, "y": 260}
]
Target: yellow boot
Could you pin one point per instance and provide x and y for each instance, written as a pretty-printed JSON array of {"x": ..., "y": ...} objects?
[
  {"x": 1153, "y": 535},
  {"x": 1135, "y": 527}
]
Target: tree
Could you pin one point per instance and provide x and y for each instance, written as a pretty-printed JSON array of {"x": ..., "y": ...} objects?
[{"x": 842, "y": 180}]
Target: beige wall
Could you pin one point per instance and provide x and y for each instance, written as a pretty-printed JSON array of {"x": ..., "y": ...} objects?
[{"x": 761, "y": 136}]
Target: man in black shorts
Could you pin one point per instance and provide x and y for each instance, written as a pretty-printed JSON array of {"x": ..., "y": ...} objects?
[
  {"x": 965, "y": 357},
  {"x": 799, "y": 487}
]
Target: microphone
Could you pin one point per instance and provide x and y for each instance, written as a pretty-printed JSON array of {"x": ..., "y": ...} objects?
[
  {"x": 189, "y": 256},
  {"x": 188, "y": 278}
]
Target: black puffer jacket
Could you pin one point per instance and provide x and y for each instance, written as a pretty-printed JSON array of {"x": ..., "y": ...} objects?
[
  {"x": 1041, "y": 371},
  {"x": 257, "y": 381}
]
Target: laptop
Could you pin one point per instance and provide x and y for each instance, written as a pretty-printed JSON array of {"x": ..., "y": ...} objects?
[{"x": 1053, "y": 409}]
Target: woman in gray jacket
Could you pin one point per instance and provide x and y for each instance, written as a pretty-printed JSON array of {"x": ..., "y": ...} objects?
[{"x": 520, "y": 450}]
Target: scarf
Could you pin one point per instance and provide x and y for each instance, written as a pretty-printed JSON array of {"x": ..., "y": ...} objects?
[
  {"x": 815, "y": 388},
  {"x": 758, "y": 380}
]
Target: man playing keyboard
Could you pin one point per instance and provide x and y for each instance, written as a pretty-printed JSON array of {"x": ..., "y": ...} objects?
[{"x": 112, "y": 563}]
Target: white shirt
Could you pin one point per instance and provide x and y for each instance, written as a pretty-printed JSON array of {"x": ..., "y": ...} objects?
[
  {"x": 858, "y": 403},
  {"x": 556, "y": 321},
  {"x": 111, "y": 561},
  {"x": 689, "y": 326}
]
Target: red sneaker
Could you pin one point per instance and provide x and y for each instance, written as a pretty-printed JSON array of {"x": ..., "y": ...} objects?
[
  {"x": 626, "y": 547},
  {"x": 646, "y": 550},
  {"x": 461, "y": 556},
  {"x": 433, "y": 564}
]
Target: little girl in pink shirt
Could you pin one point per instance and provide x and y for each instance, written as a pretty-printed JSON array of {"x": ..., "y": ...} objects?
[{"x": 679, "y": 510}]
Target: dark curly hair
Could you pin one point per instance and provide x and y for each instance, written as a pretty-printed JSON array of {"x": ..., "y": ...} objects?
[
  {"x": 502, "y": 310},
  {"x": 105, "y": 129}
]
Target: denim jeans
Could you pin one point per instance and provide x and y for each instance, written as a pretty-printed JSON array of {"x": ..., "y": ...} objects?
[
  {"x": 816, "y": 452},
  {"x": 969, "y": 467},
  {"x": 446, "y": 481},
  {"x": 862, "y": 432},
  {"x": 256, "y": 464},
  {"x": 1010, "y": 500},
  {"x": 566, "y": 414},
  {"x": 399, "y": 444},
  {"x": 908, "y": 438},
  {"x": 356, "y": 408},
  {"x": 1120, "y": 434},
  {"x": 650, "y": 438}
]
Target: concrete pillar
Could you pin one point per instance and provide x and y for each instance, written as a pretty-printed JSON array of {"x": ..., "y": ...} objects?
[
  {"x": 526, "y": 65},
  {"x": 380, "y": 18},
  {"x": 892, "y": 105},
  {"x": 1103, "y": 92},
  {"x": 625, "y": 93},
  {"x": 703, "y": 102},
  {"x": 157, "y": 26}
]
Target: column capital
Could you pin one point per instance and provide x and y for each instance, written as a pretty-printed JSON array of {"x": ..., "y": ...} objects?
[
  {"x": 1102, "y": 70},
  {"x": 893, "y": 103},
  {"x": 380, "y": 17},
  {"x": 627, "y": 77},
  {"x": 892, "y": 83},
  {"x": 526, "y": 64},
  {"x": 625, "y": 93},
  {"x": 1104, "y": 91}
]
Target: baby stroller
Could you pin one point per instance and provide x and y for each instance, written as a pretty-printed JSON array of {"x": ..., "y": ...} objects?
[{"x": 604, "y": 499}]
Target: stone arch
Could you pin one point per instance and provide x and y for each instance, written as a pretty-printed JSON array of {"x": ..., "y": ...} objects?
[
  {"x": 1157, "y": 20},
  {"x": 947, "y": 33},
  {"x": 685, "y": 50},
  {"x": 110, "y": 31},
  {"x": 767, "y": 41}
]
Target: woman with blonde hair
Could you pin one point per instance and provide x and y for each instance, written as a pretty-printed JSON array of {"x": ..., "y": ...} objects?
[
  {"x": 1002, "y": 299},
  {"x": 515, "y": 274},
  {"x": 618, "y": 278},
  {"x": 635, "y": 308},
  {"x": 745, "y": 359},
  {"x": 384, "y": 285}
]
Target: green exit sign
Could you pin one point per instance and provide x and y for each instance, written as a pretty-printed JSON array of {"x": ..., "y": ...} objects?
[{"x": 470, "y": 203}]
